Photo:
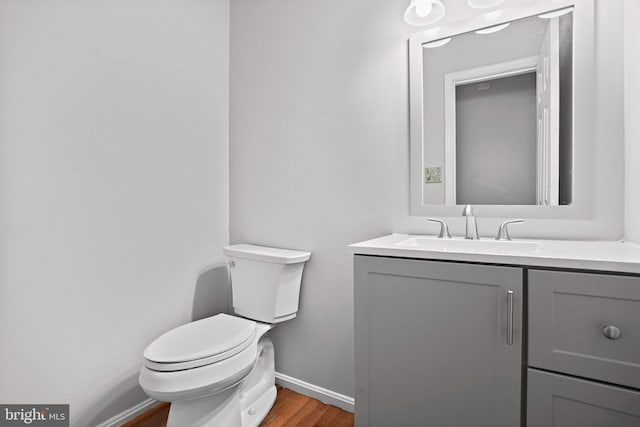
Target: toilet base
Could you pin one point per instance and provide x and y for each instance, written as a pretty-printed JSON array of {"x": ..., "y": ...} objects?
[
  {"x": 220, "y": 409},
  {"x": 252, "y": 416},
  {"x": 243, "y": 405}
]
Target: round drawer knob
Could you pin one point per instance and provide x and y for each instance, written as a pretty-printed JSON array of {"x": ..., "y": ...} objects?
[{"x": 611, "y": 332}]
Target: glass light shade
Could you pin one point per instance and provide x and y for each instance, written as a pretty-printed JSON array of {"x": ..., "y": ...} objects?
[
  {"x": 493, "y": 29},
  {"x": 423, "y": 8},
  {"x": 483, "y": 4},
  {"x": 424, "y": 12},
  {"x": 437, "y": 43}
]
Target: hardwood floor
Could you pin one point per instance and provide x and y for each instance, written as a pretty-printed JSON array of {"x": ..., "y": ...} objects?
[
  {"x": 290, "y": 410},
  {"x": 154, "y": 417}
]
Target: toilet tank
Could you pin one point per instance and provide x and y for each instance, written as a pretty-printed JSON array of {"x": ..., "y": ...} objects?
[{"x": 265, "y": 282}]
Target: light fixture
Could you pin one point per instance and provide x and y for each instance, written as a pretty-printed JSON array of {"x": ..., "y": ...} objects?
[
  {"x": 437, "y": 43},
  {"x": 494, "y": 29},
  {"x": 483, "y": 4},
  {"x": 424, "y": 12},
  {"x": 556, "y": 13}
]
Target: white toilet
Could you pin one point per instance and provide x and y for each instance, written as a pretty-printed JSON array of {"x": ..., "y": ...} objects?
[{"x": 219, "y": 371}]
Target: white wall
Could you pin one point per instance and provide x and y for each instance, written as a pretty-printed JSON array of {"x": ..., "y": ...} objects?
[
  {"x": 320, "y": 154},
  {"x": 632, "y": 125},
  {"x": 113, "y": 189}
]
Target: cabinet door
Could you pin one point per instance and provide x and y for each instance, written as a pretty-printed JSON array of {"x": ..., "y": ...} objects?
[
  {"x": 555, "y": 400},
  {"x": 432, "y": 345}
]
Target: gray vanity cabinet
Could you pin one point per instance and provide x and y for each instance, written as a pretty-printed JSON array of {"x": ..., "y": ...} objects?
[{"x": 437, "y": 343}]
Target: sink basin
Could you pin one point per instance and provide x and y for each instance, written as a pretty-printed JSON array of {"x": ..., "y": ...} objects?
[{"x": 506, "y": 247}]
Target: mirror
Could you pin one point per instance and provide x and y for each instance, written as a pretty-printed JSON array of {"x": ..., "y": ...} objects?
[
  {"x": 493, "y": 111},
  {"x": 495, "y": 101}
]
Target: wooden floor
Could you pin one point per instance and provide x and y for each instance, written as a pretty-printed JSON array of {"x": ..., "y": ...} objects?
[{"x": 290, "y": 410}]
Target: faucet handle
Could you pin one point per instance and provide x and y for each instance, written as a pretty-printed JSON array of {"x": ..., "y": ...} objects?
[
  {"x": 503, "y": 231},
  {"x": 444, "y": 228}
]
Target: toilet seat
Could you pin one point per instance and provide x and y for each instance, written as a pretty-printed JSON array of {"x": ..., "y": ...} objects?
[
  {"x": 200, "y": 343},
  {"x": 201, "y": 381},
  {"x": 171, "y": 385}
]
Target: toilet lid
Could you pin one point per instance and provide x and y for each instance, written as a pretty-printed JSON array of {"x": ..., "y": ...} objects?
[{"x": 201, "y": 339}]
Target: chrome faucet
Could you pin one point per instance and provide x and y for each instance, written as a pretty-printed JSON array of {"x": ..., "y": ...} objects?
[{"x": 471, "y": 230}]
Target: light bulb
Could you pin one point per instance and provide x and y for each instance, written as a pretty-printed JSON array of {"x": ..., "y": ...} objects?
[{"x": 423, "y": 8}]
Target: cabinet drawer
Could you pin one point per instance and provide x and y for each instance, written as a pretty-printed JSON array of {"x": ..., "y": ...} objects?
[
  {"x": 568, "y": 314},
  {"x": 555, "y": 400}
]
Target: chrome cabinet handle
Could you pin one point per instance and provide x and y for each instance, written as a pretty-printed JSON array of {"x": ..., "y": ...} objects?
[
  {"x": 444, "y": 229},
  {"x": 612, "y": 332},
  {"x": 509, "y": 317}
]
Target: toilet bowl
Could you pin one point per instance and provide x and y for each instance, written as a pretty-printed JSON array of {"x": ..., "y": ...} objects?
[
  {"x": 220, "y": 371},
  {"x": 213, "y": 371}
]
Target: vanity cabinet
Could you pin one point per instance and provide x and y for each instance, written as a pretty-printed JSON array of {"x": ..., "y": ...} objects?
[
  {"x": 440, "y": 343},
  {"x": 433, "y": 328},
  {"x": 437, "y": 343}
]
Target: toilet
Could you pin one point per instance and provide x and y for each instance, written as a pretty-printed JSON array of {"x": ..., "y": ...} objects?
[{"x": 220, "y": 371}]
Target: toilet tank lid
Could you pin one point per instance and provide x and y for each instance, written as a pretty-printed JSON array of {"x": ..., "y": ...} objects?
[{"x": 266, "y": 254}]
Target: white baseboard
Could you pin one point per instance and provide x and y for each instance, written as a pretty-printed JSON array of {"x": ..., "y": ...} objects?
[
  {"x": 129, "y": 414},
  {"x": 317, "y": 392},
  {"x": 299, "y": 386}
]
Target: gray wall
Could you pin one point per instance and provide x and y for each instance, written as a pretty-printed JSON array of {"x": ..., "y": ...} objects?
[
  {"x": 496, "y": 142},
  {"x": 113, "y": 190},
  {"x": 632, "y": 124},
  {"x": 319, "y": 154}
]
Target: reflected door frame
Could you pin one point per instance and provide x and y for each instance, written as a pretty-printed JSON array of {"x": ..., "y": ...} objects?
[
  {"x": 472, "y": 75},
  {"x": 548, "y": 117}
]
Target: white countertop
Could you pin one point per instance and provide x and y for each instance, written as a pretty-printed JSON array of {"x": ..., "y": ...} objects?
[{"x": 584, "y": 255}]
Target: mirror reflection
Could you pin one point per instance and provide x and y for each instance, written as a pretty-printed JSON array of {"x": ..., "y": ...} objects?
[{"x": 497, "y": 114}]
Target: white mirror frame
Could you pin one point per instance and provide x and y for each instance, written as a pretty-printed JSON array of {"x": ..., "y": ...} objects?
[{"x": 583, "y": 111}]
